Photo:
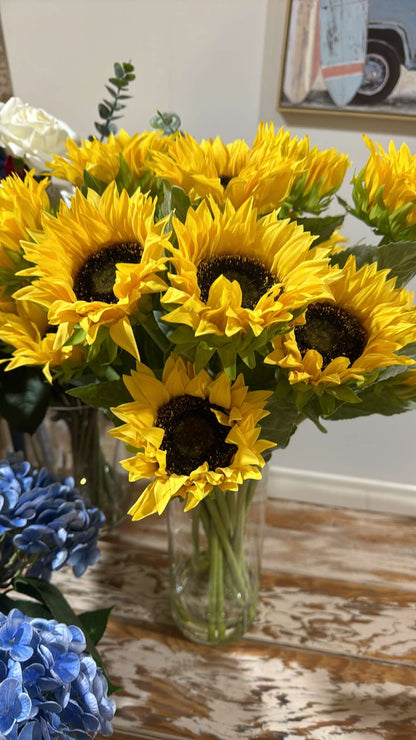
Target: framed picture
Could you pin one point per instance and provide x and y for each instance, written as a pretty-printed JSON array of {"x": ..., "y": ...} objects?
[
  {"x": 350, "y": 56},
  {"x": 5, "y": 82}
]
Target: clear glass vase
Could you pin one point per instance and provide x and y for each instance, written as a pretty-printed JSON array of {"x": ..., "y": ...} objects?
[
  {"x": 73, "y": 440},
  {"x": 215, "y": 559}
]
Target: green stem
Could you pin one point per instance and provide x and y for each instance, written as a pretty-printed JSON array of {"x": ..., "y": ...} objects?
[
  {"x": 205, "y": 518},
  {"x": 239, "y": 523},
  {"x": 213, "y": 581},
  {"x": 220, "y": 596},
  {"x": 231, "y": 498},
  {"x": 223, "y": 509},
  {"x": 195, "y": 534},
  {"x": 226, "y": 546},
  {"x": 154, "y": 331}
]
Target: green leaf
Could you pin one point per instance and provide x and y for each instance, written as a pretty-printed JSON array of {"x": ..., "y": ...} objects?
[
  {"x": 324, "y": 226},
  {"x": 113, "y": 93},
  {"x": 118, "y": 83},
  {"x": 24, "y": 397},
  {"x": 282, "y": 421},
  {"x": 49, "y": 595},
  {"x": 167, "y": 122},
  {"x": 124, "y": 178},
  {"x": 104, "y": 111},
  {"x": 102, "y": 395},
  {"x": 364, "y": 255},
  {"x": 95, "y": 622},
  {"x": 202, "y": 356},
  {"x": 102, "y": 128},
  {"x": 346, "y": 394},
  {"x": 327, "y": 404},
  {"x": 310, "y": 413},
  {"x": 118, "y": 70},
  {"x": 228, "y": 357},
  {"x": 180, "y": 203},
  {"x": 29, "y": 608},
  {"x": 382, "y": 398},
  {"x": 93, "y": 183},
  {"x": 398, "y": 257}
]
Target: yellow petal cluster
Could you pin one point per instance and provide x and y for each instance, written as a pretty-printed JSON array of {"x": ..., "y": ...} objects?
[
  {"x": 275, "y": 168},
  {"x": 240, "y": 410},
  {"x": 395, "y": 171},
  {"x": 386, "y": 313},
  {"x": 318, "y": 172},
  {"x": 281, "y": 246},
  {"x": 226, "y": 171},
  {"x": 102, "y": 159},
  {"x": 22, "y": 203},
  {"x": 27, "y": 331},
  {"x": 65, "y": 243}
]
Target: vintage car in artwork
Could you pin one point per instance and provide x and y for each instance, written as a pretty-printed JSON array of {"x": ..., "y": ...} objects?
[{"x": 391, "y": 42}]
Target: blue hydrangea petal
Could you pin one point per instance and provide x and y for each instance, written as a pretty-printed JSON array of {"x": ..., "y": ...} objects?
[{"x": 66, "y": 668}]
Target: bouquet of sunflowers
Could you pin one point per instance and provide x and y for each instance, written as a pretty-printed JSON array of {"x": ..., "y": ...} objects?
[{"x": 202, "y": 294}]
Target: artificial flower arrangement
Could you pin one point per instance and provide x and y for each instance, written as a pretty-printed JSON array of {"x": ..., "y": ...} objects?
[{"x": 202, "y": 295}]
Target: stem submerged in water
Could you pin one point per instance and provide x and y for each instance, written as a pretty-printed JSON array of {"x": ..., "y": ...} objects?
[{"x": 216, "y": 582}]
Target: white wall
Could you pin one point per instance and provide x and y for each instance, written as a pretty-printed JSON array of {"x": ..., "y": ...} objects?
[{"x": 217, "y": 63}]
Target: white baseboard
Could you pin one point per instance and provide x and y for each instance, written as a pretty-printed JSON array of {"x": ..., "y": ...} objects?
[{"x": 339, "y": 490}]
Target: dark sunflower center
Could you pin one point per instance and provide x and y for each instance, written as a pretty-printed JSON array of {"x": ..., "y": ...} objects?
[
  {"x": 95, "y": 280},
  {"x": 333, "y": 332},
  {"x": 253, "y": 277},
  {"x": 193, "y": 435},
  {"x": 224, "y": 180}
]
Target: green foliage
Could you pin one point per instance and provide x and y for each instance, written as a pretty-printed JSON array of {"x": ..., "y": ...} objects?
[
  {"x": 103, "y": 394},
  {"x": 169, "y": 123},
  {"x": 283, "y": 418},
  {"x": 392, "y": 226},
  {"x": 92, "y": 183},
  {"x": 24, "y": 397},
  {"x": 323, "y": 226},
  {"x": 109, "y": 109},
  {"x": 398, "y": 257},
  {"x": 387, "y": 397}
]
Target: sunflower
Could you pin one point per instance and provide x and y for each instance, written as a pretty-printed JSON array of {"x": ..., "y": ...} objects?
[
  {"x": 234, "y": 272},
  {"x": 22, "y": 203},
  {"x": 102, "y": 159},
  {"x": 226, "y": 171},
  {"x": 385, "y": 191},
  {"x": 32, "y": 341},
  {"x": 76, "y": 260},
  {"x": 318, "y": 174},
  {"x": 358, "y": 331},
  {"x": 191, "y": 432}
]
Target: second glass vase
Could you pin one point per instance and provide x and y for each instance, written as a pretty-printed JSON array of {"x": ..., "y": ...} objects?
[{"x": 73, "y": 440}]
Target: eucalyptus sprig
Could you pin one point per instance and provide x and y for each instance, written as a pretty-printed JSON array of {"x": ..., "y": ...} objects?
[
  {"x": 108, "y": 109},
  {"x": 167, "y": 122}
]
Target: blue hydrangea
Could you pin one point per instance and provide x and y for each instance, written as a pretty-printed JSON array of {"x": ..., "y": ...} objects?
[
  {"x": 47, "y": 521},
  {"x": 50, "y": 688}
]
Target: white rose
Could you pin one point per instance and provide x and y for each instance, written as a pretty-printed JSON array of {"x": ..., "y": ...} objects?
[{"x": 32, "y": 134}]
